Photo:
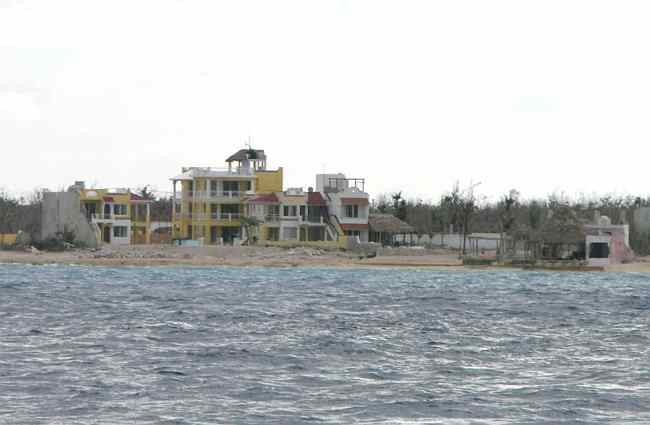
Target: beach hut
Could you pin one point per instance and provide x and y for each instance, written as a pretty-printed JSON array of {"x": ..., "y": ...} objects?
[{"x": 390, "y": 230}]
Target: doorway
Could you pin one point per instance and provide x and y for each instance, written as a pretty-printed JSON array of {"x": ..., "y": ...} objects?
[
  {"x": 230, "y": 233},
  {"x": 91, "y": 209}
]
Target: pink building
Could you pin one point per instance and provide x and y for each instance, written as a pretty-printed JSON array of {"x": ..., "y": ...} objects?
[{"x": 607, "y": 243}]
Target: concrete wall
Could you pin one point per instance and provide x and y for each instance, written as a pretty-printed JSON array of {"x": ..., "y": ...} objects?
[
  {"x": 8, "y": 239},
  {"x": 455, "y": 240},
  {"x": 62, "y": 211},
  {"x": 323, "y": 181},
  {"x": 619, "y": 240},
  {"x": 269, "y": 181},
  {"x": 642, "y": 220}
]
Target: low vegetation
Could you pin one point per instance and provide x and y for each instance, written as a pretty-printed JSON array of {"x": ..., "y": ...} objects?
[{"x": 555, "y": 217}]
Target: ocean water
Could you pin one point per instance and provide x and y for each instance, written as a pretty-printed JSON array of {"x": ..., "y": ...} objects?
[{"x": 84, "y": 345}]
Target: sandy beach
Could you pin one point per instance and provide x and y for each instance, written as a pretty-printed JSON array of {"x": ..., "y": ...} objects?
[{"x": 165, "y": 255}]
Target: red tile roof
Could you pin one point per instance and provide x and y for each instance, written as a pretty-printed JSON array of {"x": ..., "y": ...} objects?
[
  {"x": 354, "y": 201},
  {"x": 264, "y": 199},
  {"x": 136, "y": 197},
  {"x": 315, "y": 198},
  {"x": 359, "y": 226}
]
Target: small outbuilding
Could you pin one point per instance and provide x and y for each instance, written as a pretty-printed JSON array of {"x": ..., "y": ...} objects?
[
  {"x": 607, "y": 243},
  {"x": 390, "y": 230}
]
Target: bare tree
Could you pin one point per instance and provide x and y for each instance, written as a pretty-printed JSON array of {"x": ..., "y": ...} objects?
[
  {"x": 8, "y": 213},
  {"x": 507, "y": 218}
]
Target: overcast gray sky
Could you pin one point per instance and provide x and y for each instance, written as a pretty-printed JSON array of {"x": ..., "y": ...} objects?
[{"x": 542, "y": 96}]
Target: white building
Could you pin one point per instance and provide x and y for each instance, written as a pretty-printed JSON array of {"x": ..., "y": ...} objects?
[{"x": 348, "y": 203}]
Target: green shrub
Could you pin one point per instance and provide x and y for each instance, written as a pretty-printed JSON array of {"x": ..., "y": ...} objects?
[{"x": 51, "y": 244}]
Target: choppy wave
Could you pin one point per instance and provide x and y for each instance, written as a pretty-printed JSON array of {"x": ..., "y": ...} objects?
[{"x": 82, "y": 345}]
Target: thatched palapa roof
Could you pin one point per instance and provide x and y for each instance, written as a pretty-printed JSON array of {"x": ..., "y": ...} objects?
[
  {"x": 388, "y": 224},
  {"x": 244, "y": 154}
]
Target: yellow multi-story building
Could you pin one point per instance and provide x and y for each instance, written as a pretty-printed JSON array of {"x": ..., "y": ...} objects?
[
  {"x": 209, "y": 203},
  {"x": 122, "y": 217}
]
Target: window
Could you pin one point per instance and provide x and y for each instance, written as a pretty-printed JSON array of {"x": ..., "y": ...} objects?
[
  {"x": 189, "y": 231},
  {"x": 119, "y": 232},
  {"x": 230, "y": 186},
  {"x": 213, "y": 185},
  {"x": 302, "y": 211},
  {"x": 353, "y": 233},
  {"x": 120, "y": 209},
  {"x": 290, "y": 211},
  {"x": 352, "y": 211},
  {"x": 273, "y": 234},
  {"x": 248, "y": 185},
  {"x": 230, "y": 209}
]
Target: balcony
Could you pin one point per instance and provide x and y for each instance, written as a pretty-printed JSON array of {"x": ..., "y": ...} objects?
[
  {"x": 226, "y": 216},
  {"x": 210, "y": 216},
  {"x": 103, "y": 218},
  {"x": 213, "y": 195},
  {"x": 312, "y": 219},
  {"x": 216, "y": 172},
  {"x": 225, "y": 194}
]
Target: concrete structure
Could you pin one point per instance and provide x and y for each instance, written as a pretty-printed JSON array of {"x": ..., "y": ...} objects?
[
  {"x": 61, "y": 212},
  {"x": 8, "y": 239},
  {"x": 219, "y": 205},
  {"x": 210, "y": 202},
  {"x": 641, "y": 220},
  {"x": 111, "y": 216},
  {"x": 348, "y": 203},
  {"x": 265, "y": 209},
  {"x": 482, "y": 241},
  {"x": 292, "y": 215},
  {"x": 123, "y": 217},
  {"x": 607, "y": 243}
]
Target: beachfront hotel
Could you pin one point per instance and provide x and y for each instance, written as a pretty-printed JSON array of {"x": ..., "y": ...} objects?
[
  {"x": 209, "y": 202},
  {"x": 212, "y": 206}
]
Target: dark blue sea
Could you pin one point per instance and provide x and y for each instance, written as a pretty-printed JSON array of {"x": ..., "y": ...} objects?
[{"x": 90, "y": 345}]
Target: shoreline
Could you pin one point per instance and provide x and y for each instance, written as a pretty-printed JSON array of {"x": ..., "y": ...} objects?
[{"x": 168, "y": 256}]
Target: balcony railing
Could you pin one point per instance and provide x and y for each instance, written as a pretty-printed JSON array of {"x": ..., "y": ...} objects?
[
  {"x": 272, "y": 218},
  {"x": 312, "y": 219},
  {"x": 105, "y": 217},
  {"x": 227, "y": 216},
  {"x": 211, "y": 216},
  {"x": 220, "y": 171},
  {"x": 214, "y": 194}
]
